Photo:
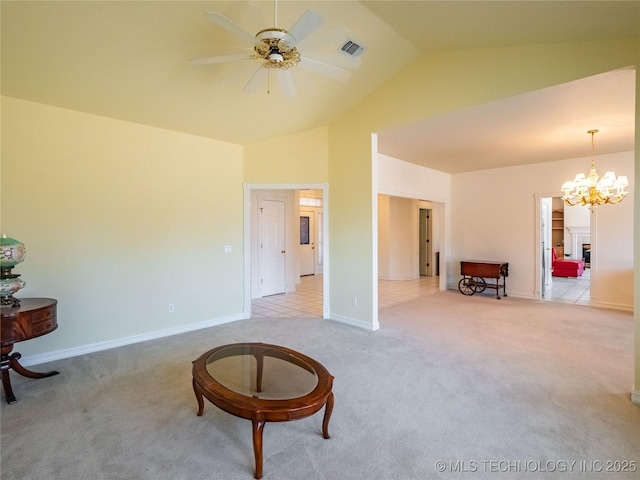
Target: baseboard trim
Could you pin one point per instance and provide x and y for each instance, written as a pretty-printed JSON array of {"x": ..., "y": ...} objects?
[
  {"x": 354, "y": 322},
  {"x": 612, "y": 306},
  {"x": 635, "y": 396},
  {"x": 121, "y": 342}
]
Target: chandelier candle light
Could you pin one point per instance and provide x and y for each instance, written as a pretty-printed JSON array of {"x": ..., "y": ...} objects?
[{"x": 593, "y": 190}]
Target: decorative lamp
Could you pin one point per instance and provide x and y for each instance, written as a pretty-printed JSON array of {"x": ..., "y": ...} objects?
[
  {"x": 12, "y": 252},
  {"x": 593, "y": 190}
]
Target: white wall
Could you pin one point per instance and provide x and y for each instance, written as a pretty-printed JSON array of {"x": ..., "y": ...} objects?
[
  {"x": 398, "y": 228},
  {"x": 404, "y": 179},
  {"x": 384, "y": 232}
]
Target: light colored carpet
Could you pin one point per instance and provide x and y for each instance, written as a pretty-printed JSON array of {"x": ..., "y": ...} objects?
[{"x": 505, "y": 388}]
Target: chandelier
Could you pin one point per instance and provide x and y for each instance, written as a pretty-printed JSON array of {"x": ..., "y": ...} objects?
[{"x": 593, "y": 190}]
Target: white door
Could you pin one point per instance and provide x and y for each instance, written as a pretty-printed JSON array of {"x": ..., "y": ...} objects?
[
  {"x": 271, "y": 247},
  {"x": 307, "y": 242}
]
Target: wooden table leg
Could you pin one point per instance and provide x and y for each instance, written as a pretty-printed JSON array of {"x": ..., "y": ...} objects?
[
  {"x": 11, "y": 362},
  {"x": 199, "y": 398},
  {"x": 6, "y": 382},
  {"x": 258, "y": 427},
  {"x": 327, "y": 415},
  {"x": 15, "y": 365}
]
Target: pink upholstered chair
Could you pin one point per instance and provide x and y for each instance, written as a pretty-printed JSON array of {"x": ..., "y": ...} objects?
[{"x": 566, "y": 268}]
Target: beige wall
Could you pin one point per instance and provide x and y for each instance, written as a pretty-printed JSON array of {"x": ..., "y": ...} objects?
[
  {"x": 297, "y": 158},
  {"x": 119, "y": 220}
]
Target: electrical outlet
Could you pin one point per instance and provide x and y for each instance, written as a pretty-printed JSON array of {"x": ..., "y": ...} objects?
[
  {"x": 171, "y": 308},
  {"x": 354, "y": 301}
]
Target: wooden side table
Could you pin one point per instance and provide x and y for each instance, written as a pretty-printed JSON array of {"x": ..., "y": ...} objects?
[{"x": 33, "y": 318}]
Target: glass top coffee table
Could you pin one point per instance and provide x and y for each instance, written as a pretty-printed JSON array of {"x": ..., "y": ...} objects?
[{"x": 263, "y": 383}]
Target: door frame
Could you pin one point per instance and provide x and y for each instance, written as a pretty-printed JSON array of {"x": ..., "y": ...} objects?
[
  {"x": 247, "y": 189},
  {"x": 310, "y": 213},
  {"x": 538, "y": 240},
  {"x": 546, "y": 224}
]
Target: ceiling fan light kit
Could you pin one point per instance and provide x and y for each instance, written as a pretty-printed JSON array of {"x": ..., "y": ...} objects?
[{"x": 273, "y": 49}]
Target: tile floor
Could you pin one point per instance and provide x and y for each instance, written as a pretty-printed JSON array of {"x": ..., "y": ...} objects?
[
  {"x": 570, "y": 290},
  {"x": 306, "y": 301}
]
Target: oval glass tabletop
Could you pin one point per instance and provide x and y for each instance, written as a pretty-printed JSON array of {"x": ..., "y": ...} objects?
[{"x": 283, "y": 377}]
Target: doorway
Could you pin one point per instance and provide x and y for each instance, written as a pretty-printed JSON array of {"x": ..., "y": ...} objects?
[
  {"x": 272, "y": 239},
  {"x": 425, "y": 243},
  {"x": 410, "y": 236},
  {"x": 311, "y": 223},
  {"x": 563, "y": 231}
]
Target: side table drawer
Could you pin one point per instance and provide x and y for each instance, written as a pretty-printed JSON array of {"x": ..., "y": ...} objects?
[
  {"x": 43, "y": 321},
  {"x": 43, "y": 315},
  {"x": 38, "y": 328}
]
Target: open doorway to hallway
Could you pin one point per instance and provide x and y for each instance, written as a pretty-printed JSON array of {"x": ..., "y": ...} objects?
[
  {"x": 286, "y": 250},
  {"x": 410, "y": 235},
  {"x": 410, "y": 223}
]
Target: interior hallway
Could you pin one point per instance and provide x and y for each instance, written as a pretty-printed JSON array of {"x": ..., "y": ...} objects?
[{"x": 306, "y": 301}]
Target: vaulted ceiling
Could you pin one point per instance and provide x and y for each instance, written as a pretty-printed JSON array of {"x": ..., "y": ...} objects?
[{"x": 130, "y": 61}]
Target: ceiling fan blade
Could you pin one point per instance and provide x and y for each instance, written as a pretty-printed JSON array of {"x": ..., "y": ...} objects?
[
  {"x": 306, "y": 24},
  {"x": 335, "y": 59},
  {"x": 286, "y": 82},
  {"x": 258, "y": 80},
  {"x": 247, "y": 14},
  {"x": 325, "y": 69},
  {"x": 219, "y": 59},
  {"x": 231, "y": 26},
  {"x": 333, "y": 39}
]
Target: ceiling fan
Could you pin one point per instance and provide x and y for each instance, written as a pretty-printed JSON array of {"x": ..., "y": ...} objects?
[{"x": 278, "y": 50}]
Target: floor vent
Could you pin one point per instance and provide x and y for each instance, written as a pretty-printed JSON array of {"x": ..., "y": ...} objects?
[{"x": 352, "y": 48}]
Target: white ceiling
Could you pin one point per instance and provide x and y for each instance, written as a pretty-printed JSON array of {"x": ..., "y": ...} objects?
[
  {"x": 541, "y": 126},
  {"x": 129, "y": 60}
]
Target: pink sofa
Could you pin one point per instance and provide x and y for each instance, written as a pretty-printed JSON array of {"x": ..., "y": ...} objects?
[{"x": 566, "y": 268}]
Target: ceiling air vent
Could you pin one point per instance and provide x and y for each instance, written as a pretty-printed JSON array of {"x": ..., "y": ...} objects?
[{"x": 352, "y": 48}]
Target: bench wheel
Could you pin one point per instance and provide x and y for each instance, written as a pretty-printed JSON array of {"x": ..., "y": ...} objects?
[
  {"x": 480, "y": 284},
  {"x": 467, "y": 286}
]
